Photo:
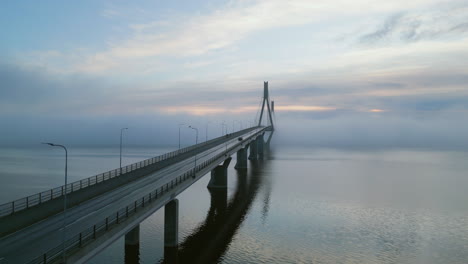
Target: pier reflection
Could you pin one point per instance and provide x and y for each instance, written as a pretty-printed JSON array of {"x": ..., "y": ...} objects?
[
  {"x": 209, "y": 241},
  {"x": 132, "y": 254}
]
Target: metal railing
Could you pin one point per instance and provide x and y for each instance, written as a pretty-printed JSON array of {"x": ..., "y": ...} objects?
[
  {"x": 39, "y": 198},
  {"x": 93, "y": 232}
]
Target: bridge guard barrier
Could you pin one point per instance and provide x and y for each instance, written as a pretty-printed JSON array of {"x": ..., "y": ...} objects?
[{"x": 24, "y": 218}]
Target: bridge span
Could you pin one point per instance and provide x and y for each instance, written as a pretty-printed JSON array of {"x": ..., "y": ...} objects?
[{"x": 105, "y": 207}]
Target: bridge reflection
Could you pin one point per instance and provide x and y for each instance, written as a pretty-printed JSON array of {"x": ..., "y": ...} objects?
[{"x": 210, "y": 241}]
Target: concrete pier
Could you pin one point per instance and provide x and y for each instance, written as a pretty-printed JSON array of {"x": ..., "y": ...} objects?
[
  {"x": 171, "y": 230},
  {"x": 133, "y": 237},
  {"x": 260, "y": 143},
  {"x": 253, "y": 150},
  {"x": 241, "y": 159},
  {"x": 219, "y": 175},
  {"x": 132, "y": 246}
]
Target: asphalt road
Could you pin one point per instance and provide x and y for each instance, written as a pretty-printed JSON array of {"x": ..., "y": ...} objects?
[{"x": 33, "y": 241}]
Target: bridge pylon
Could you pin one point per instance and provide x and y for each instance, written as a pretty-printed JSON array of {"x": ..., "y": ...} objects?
[{"x": 266, "y": 100}]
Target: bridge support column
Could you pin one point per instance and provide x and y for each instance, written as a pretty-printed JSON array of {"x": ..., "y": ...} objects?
[
  {"x": 171, "y": 230},
  {"x": 253, "y": 150},
  {"x": 241, "y": 159},
  {"x": 219, "y": 175},
  {"x": 260, "y": 146},
  {"x": 132, "y": 245}
]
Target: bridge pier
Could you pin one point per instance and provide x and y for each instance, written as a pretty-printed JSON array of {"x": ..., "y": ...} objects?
[
  {"x": 132, "y": 246},
  {"x": 241, "y": 159},
  {"x": 260, "y": 146},
  {"x": 219, "y": 175},
  {"x": 253, "y": 150},
  {"x": 171, "y": 230}
]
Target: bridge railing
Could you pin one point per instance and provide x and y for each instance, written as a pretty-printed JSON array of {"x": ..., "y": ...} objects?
[
  {"x": 39, "y": 198},
  {"x": 93, "y": 232}
]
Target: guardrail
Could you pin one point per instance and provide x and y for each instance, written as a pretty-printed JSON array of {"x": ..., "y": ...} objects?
[
  {"x": 39, "y": 198},
  {"x": 93, "y": 232}
]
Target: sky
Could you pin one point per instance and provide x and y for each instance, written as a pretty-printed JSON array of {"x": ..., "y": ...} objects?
[{"x": 342, "y": 73}]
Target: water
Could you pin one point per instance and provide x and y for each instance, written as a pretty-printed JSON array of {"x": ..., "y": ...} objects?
[{"x": 302, "y": 205}]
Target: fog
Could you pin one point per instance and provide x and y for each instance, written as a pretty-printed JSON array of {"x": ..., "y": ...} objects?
[
  {"x": 358, "y": 130},
  {"x": 88, "y": 111},
  {"x": 381, "y": 130}
]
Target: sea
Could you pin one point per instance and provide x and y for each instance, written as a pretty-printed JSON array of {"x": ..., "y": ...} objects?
[{"x": 297, "y": 205}]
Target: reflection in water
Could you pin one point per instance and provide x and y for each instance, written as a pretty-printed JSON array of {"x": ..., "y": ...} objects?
[
  {"x": 327, "y": 205},
  {"x": 267, "y": 184},
  {"x": 209, "y": 242},
  {"x": 266, "y": 199},
  {"x": 132, "y": 254}
]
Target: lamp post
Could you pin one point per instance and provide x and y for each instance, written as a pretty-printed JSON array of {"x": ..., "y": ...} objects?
[
  {"x": 196, "y": 142},
  {"x": 64, "y": 196},
  {"x": 121, "y": 132},
  {"x": 179, "y": 133},
  {"x": 196, "y": 129}
]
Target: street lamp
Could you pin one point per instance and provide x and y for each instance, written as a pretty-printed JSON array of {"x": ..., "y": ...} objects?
[
  {"x": 64, "y": 196},
  {"x": 179, "y": 133},
  {"x": 121, "y": 132},
  {"x": 196, "y": 129},
  {"x": 196, "y": 142}
]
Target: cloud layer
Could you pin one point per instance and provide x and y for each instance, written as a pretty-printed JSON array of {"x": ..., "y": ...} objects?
[{"x": 397, "y": 70}]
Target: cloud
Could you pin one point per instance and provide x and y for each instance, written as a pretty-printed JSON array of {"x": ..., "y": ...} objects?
[
  {"x": 445, "y": 130},
  {"x": 36, "y": 91},
  {"x": 222, "y": 28},
  {"x": 110, "y": 13},
  {"x": 304, "y": 108},
  {"x": 443, "y": 22},
  {"x": 386, "y": 29},
  {"x": 78, "y": 110},
  {"x": 32, "y": 90},
  {"x": 407, "y": 72}
]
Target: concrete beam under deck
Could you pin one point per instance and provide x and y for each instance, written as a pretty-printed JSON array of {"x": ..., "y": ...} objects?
[{"x": 89, "y": 250}]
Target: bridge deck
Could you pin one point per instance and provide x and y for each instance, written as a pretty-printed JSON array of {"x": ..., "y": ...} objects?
[{"x": 35, "y": 240}]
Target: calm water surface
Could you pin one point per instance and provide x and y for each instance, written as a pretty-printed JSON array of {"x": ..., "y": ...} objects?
[{"x": 300, "y": 205}]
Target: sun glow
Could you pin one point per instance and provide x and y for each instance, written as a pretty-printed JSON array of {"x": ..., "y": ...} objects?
[{"x": 199, "y": 110}]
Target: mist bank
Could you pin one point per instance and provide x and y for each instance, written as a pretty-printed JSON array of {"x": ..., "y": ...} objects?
[
  {"x": 100, "y": 131},
  {"x": 410, "y": 110},
  {"x": 442, "y": 130}
]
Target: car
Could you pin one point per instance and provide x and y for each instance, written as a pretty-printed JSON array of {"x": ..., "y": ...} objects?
[{"x": 240, "y": 139}]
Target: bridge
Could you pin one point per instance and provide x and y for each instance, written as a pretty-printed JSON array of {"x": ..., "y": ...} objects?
[{"x": 105, "y": 207}]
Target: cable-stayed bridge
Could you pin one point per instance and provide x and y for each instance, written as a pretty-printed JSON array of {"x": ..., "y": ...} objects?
[{"x": 105, "y": 207}]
